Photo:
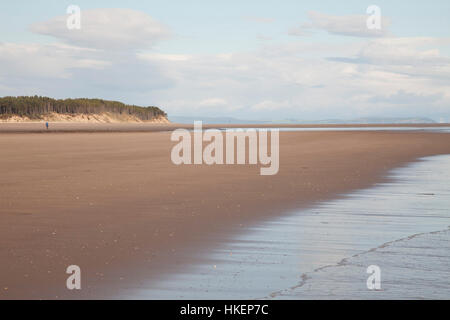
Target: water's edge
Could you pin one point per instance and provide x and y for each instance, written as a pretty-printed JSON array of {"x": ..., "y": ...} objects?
[{"x": 276, "y": 258}]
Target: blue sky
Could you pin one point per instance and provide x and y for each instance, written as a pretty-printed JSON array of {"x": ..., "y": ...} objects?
[
  {"x": 236, "y": 58},
  {"x": 221, "y": 26}
]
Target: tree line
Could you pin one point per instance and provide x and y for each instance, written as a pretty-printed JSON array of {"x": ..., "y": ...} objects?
[{"x": 35, "y": 107}]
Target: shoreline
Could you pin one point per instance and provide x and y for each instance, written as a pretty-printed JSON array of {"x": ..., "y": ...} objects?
[
  {"x": 77, "y": 127},
  {"x": 115, "y": 205},
  {"x": 237, "y": 260},
  {"x": 275, "y": 258}
]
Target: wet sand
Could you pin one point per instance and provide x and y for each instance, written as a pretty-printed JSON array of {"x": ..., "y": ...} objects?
[
  {"x": 412, "y": 268},
  {"x": 60, "y": 127},
  {"x": 323, "y": 252},
  {"x": 115, "y": 205}
]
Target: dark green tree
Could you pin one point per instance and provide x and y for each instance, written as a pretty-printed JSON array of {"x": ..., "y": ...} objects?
[{"x": 36, "y": 107}]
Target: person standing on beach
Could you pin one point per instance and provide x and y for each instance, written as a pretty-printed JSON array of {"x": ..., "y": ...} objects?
[{"x": 46, "y": 125}]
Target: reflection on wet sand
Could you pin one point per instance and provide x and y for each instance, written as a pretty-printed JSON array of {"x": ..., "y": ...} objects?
[{"x": 323, "y": 252}]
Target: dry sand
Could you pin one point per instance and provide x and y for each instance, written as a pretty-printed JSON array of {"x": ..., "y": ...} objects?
[{"x": 114, "y": 204}]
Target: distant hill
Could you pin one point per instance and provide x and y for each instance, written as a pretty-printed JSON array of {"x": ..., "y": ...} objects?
[
  {"x": 230, "y": 120},
  {"x": 374, "y": 120},
  {"x": 18, "y": 109}
]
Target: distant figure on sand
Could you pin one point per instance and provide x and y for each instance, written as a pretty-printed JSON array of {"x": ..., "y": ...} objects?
[{"x": 46, "y": 125}]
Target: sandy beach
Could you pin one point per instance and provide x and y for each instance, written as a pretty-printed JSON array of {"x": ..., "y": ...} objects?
[
  {"x": 71, "y": 127},
  {"x": 114, "y": 203}
]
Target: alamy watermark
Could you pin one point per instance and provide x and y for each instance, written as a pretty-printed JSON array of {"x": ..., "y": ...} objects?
[
  {"x": 73, "y": 21},
  {"x": 223, "y": 141},
  {"x": 374, "y": 280},
  {"x": 74, "y": 280},
  {"x": 373, "y": 22}
]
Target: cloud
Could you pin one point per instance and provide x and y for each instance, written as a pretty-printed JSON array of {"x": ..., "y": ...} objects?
[
  {"x": 293, "y": 80},
  {"x": 259, "y": 19},
  {"x": 100, "y": 60},
  {"x": 46, "y": 61},
  {"x": 269, "y": 105},
  {"x": 402, "y": 97},
  {"x": 107, "y": 29},
  {"x": 404, "y": 50},
  {"x": 163, "y": 57},
  {"x": 213, "y": 102},
  {"x": 350, "y": 25},
  {"x": 417, "y": 56},
  {"x": 376, "y": 77},
  {"x": 60, "y": 70},
  {"x": 296, "y": 81}
]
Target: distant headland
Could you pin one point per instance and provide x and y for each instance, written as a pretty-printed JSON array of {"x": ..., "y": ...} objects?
[{"x": 36, "y": 108}]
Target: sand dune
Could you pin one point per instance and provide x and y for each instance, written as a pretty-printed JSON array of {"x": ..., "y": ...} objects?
[{"x": 83, "y": 118}]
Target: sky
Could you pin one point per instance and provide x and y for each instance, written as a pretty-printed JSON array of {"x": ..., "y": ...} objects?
[{"x": 261, "y": 60}]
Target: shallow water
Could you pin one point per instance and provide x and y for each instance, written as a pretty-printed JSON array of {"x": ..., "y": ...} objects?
[
  {"x": 393, "y": 128},
  {"x": 300, "y": 254}
]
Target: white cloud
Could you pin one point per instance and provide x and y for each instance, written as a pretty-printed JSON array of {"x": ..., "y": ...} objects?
[
  {"x": 410, "y": 98},
  {"x": 418, "y": 57},
  {"x": 163, "y": 57},
  {"x": 269, "y": 105},
  {"x": 296, "y": 81},
  {"x": 66, "y": 71},
  {"x": 213, "y": 102},
  {"x": 383, "y": 76},
  {"x": 81, "y": 66},
  {"x": 259, "y": 19},
  {"x": 46, "y": 61},
  {"x": 107, "y": 28},
  {"x": 276, "y": 82},
  {"x": 350, "y": 25},
  {"x": 405, "y": 51}
]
